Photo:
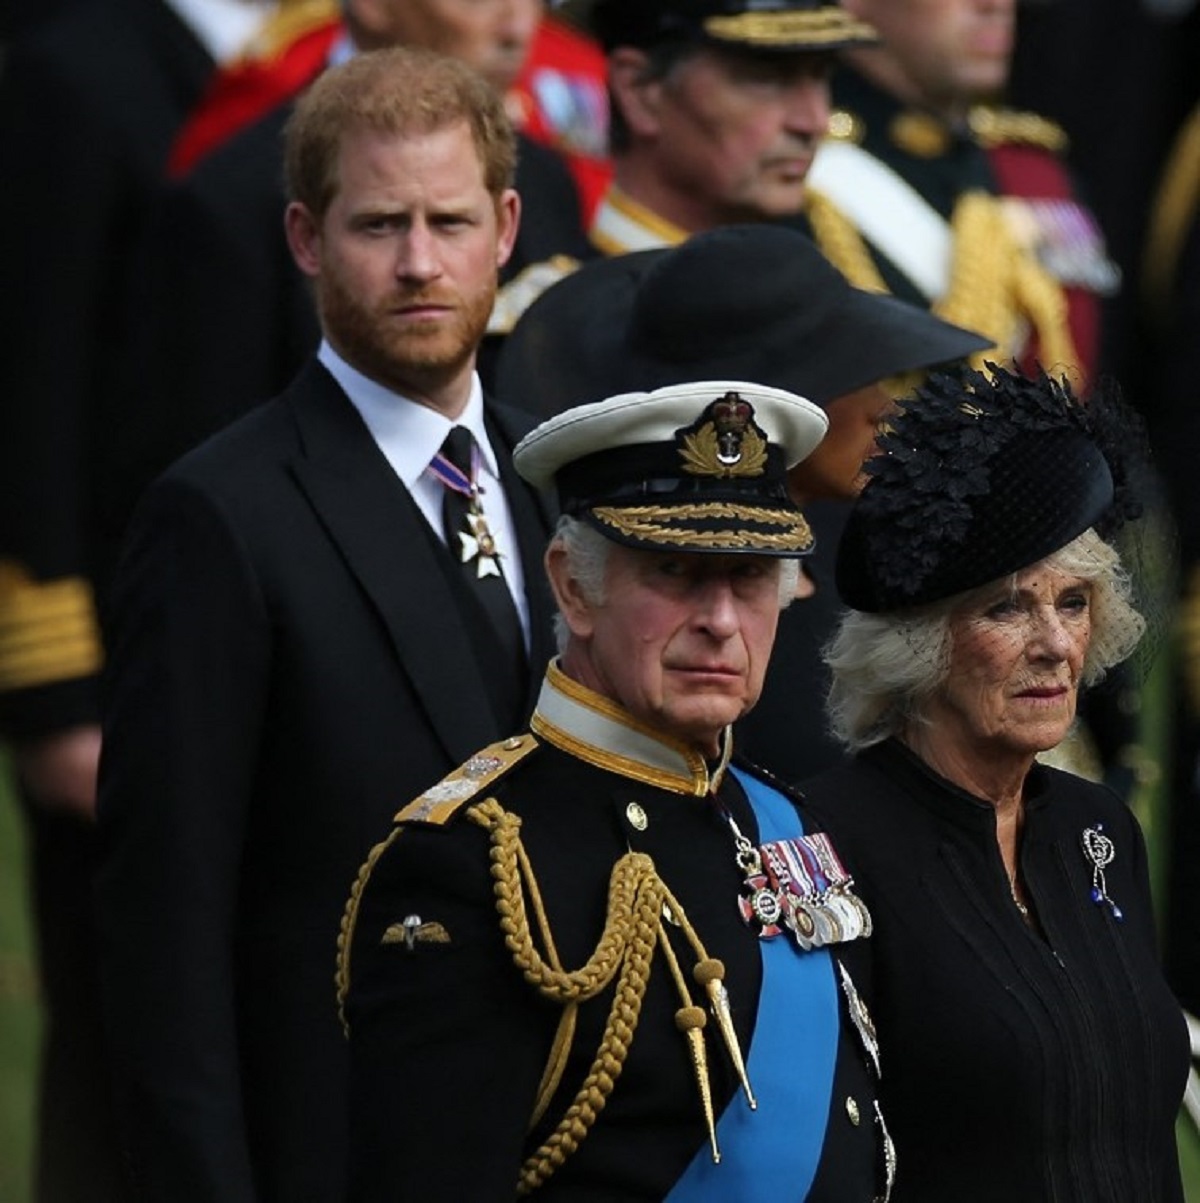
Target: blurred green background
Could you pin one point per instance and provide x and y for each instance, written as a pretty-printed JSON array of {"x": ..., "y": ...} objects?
[{"x": 20, "y": 1021}]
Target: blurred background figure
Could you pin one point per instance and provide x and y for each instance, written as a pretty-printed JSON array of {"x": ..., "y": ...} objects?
[
  {"x": 21, "y": 15},
  {"x": 1119, "y": 77},
  {"x": 904, "y": 197},
  {"x": 557, "y": 96},
  {"x": 90, "y": 99},
  {"x": 561, "y": 99},
  {"x": 716, "y": 111},
  {"x": 1171, "y": 313}
]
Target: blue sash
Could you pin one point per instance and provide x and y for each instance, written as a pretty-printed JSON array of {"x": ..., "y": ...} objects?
[{"x": 772, "y": 1153}]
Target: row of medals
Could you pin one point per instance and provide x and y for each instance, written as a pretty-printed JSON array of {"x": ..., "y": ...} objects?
[{"x": 779, "y": 895}]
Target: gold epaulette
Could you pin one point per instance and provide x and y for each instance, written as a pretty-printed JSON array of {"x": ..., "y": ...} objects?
[
  {"x": 290, "y": 21},
  {"x": 440, "y": 802},
  {"x": 48, "y": 629},
  {"x": 1011, "y": 127},
  {"x": 436, "y": 805},
  {"x": 513, "y": 298}
]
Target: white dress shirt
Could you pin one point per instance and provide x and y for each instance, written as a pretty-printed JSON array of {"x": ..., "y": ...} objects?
[{"x": 410, "y": 434}]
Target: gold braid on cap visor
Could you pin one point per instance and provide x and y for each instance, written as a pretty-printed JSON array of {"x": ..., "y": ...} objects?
[
  {"x": 657, "y": 524},
  {"x": 824, "y": 27}
]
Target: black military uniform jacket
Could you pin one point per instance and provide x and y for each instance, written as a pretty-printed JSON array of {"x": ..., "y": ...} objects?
[
  {"x": 450, "y": 1038},
  {"x": 89, "y": 103},
  {"x": 915, "y": 214}
]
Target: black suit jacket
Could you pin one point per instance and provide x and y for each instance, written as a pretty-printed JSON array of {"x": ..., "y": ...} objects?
[
  {"x": 289, "y": 667},
  {"x": 229, "y": 318}
]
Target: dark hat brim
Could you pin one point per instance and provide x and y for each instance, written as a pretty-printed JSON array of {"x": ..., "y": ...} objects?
[
  {"x": 588, "y": 336},
  {"x": 826, "y": 27}
]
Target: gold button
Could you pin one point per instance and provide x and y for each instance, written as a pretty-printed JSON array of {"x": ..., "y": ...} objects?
[
  {"x": 637, "y": 817},
  {"x": 513, "y": 743},
  {"x": 852, "y": 1111}
]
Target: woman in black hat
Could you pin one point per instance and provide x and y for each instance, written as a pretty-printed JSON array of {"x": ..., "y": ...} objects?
[{"x": 1031, "y": 1049}]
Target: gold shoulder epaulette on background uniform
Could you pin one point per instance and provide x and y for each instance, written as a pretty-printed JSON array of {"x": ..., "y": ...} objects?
[
  {"x": 513, "y": 298},
  {"x": 1006, "y": 127},
  {"x": 48, "y": 629},
  {"x": 439, "y": 802}
]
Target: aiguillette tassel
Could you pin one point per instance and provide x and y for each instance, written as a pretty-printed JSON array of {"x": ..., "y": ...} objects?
[
  {"x": 690, "y": 1021},
  {"x": 710, "y": 974}
]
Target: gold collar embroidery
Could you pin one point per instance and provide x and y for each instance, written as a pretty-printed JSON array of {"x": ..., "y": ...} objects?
[
  {"x": 596, "y": 730},
  {"x": 622, "y": 225}
]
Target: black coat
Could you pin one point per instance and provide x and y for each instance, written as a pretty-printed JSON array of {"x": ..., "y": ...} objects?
[
  {"x": 89, "y": 103},
  {"x": 1018, "y": 1064},
  {"x": 229, "y": 318},
  {"x": 290, "y": 663}
]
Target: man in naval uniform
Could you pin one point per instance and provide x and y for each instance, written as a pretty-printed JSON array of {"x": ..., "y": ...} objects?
[
  {"x": 717, "y": 108},
  {"x": 606, "y": 959},
  {"x": 924, "y": 192}
]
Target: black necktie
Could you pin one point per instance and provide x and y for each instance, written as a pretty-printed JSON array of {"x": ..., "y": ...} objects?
[{"x": 469, "y": 542}]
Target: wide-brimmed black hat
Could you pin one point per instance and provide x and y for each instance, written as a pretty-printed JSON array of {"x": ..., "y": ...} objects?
[
  {"x": 746, "y": 302},
  {"x": 980, "y": 477},
  {"x": 699, "y": 467},
  {"x": 771, "y": 25}
]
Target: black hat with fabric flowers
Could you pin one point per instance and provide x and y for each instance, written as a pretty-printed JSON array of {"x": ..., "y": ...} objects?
[{"x": 980, "y": 476}]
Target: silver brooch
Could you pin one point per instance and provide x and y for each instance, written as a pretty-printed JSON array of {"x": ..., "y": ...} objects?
[{"x": 1100, "y": 851}]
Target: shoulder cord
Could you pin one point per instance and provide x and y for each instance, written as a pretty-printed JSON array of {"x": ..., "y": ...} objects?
[
  {"x": 345, "y": 939},
  {"x": 637, "y": 897},
  {"x": 992, "y": 281}
]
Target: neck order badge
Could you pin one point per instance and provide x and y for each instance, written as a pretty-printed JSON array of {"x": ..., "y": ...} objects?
[{"x": 457, "y": 467}]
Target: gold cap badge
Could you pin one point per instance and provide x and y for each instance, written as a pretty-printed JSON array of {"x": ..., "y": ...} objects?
[{"x": 724, "y": 441}]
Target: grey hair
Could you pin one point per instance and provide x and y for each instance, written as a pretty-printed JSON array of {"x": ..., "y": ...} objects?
[
  {"x": 587, "y": 552},
  {"x": 885, "y": 666}
]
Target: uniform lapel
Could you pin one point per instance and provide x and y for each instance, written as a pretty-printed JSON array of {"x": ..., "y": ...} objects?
[{"x": 381, "y": 535}]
